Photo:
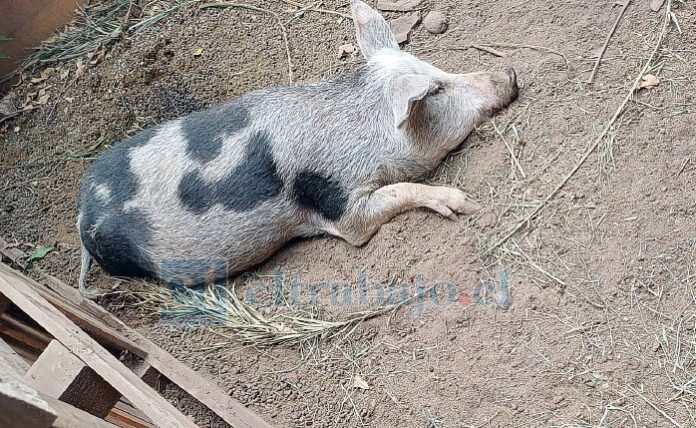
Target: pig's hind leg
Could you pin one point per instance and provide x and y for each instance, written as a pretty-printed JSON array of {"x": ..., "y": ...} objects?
[{"x": 369, "y": 213}]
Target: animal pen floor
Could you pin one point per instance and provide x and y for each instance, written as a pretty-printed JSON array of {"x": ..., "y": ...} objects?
[{"x": 598, "y": 327}]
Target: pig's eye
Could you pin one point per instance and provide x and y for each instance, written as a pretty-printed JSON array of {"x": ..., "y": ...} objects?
[{"x": 437, "y": 89}]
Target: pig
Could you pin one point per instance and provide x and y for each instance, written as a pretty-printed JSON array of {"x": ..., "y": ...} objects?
[{"x": 199, "y": 198}]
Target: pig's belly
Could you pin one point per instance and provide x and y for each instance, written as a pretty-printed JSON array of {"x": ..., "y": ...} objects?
[{"x": 191, "y": 248}]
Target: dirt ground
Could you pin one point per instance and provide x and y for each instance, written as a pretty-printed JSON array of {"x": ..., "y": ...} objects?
[{"x": 584, "y": 318}]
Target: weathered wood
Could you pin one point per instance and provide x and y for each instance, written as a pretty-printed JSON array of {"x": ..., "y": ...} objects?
[
  {"x": 60, "y": 374},
  {"x": 23, "y": 406},
  {"x": 91, "y": 353},
  {"x": 195, "y": 384},
  {"x": 123, "y": 415},
  {"x": 147, "y": 373},
  {"x": 97, "y": 328},
  {"x": 38, "y": 338},
  {"x": 12, "y": 359}
]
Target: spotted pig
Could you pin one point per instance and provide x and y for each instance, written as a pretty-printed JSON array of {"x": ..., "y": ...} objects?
[{"x": 215, "y": 192}]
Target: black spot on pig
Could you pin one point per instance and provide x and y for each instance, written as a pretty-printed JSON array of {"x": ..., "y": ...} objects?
[
  {"x": 254, "y": 180},
  {"x": 119, "y": 243},
  {"x": 251, "y": 182},
  {"x": 112, "y": 168},
  {"x": 204, "y": 130},
  {"x": 114, "y": 238},
  {"x": 196, "y": 195},
  {"x": 321, "y": 194}
]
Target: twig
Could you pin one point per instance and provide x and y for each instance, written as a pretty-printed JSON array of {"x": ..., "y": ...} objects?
[
  {"x": 596, "y": 142},
  {"x": 489, "y": 50},
  {"x": 606, "y": 42},
  {"x": 686, "y": 161}
]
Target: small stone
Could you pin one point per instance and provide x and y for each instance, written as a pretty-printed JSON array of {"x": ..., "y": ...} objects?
[{"x": 436, "y": 22}]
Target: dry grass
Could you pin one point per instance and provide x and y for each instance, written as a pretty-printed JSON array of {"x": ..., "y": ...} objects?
[
  {"x": 99, "y": 25},
  {"x": 227, "y": 315}
]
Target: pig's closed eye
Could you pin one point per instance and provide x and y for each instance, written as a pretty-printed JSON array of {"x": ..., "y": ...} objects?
[{"x": 438, "y": 88}]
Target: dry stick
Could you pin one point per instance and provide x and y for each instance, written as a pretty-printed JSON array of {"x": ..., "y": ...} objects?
[
  {"x": 606, "y": 42},
  {"x": 489, "y": 50},
  {"x": 283, "y": 29},
  {"x": 596, "y": 142}
]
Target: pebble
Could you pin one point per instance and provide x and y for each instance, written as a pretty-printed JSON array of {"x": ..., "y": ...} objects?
[{"x": 435, "y": 22}]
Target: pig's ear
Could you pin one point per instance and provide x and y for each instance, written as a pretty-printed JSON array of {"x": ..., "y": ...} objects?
[
  {"x": 404, "y": 92},
  {"x": 373, "y": 32}
]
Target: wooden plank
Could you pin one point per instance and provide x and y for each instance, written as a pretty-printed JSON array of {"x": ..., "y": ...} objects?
[
  {"x": 27, "y": 408},
  {"x": 148, "y": 374},
  {"x": 123, "y": 414},
  {"x": 97, "y": 328},
  {"x": 12, "y": 359},
  {"x": 195, "y": 384},
  {"x": 60, "y": 374},
  {"x": 91, "y": 353},
  {"x": 23, "y": 406}
]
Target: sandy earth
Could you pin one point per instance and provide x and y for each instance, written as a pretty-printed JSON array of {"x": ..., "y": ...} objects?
[{"x": 587, "y": 317}]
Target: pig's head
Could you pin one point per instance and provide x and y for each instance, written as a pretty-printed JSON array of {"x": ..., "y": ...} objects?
[{"x": 423, "y": 98}]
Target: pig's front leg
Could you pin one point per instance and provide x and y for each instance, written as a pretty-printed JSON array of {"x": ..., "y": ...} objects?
[{"x": 369, "y": 213}]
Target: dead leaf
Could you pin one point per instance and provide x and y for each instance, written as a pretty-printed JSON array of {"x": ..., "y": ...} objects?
[
  {"x": 80, "y": 70},
  {"x": 359, "y": 382},
  {"x": 7, "y": 107},
  {"x": 198, "y": 52},
  {"x": 649, "y": 81},
  {"x": 64, "y": 73},
  {"x": 43, "y": 99},
  {"x": 345, "y": 50}
]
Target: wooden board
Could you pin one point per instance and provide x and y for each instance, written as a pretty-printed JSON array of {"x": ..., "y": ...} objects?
[
  {"x": 23, "y": 406},
  {"x": 58, "y": 373},
  {"x": 91, "y": 353},
  {"x": 198, "y": 386},
  {"x": 96, "y": 327}
]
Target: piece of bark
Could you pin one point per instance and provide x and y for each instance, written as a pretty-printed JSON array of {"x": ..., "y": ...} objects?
[{"x": 402, "y": 26}]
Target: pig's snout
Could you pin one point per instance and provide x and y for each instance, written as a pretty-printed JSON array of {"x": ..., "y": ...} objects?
[{"x": 512, "y": 79}]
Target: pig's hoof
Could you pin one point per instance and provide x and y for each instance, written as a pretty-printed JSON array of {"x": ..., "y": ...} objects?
[{"x": 450, "y": 202}]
